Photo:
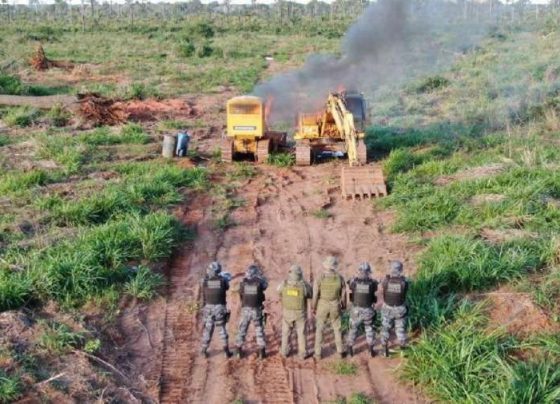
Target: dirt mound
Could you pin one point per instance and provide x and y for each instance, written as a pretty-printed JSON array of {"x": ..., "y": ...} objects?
[
  {"x": 100, "y": 110},
  {"x": 151, "y": 110},
  {"x": 40, "y": 62}
]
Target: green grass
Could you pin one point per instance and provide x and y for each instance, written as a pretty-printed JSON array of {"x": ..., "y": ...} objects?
[
  {"x": 462, "y": 362},
  {"x": 59, "y": 338},
  {"x": 322, "y": 214},
  {"x": 20, "y": 116},
  {"x": 344, "y": 368},
  {"x": 452, "y": 265},
  {"x": 281, "y": 159},
  {"x": 145, "y": 284},
  {"x": 356, "y": 398},
  {"x": 10, "y": 387},
  {"x": 4, "y": 140},
  {"x": 129, "y": 134}
]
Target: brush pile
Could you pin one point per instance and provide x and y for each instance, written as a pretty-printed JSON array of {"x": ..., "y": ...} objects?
[
  {"x": 100, "y": 110},
  {"x": 40, "y": 62}
]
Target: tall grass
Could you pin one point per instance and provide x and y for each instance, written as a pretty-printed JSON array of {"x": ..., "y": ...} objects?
[
  {"x": 453, "y": 265},
  {"x": 78, "y": 269},
  {"x": 462, "y": 362}
]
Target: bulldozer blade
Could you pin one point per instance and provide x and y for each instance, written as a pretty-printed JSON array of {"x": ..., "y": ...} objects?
[{"x": 362, "y": 182}]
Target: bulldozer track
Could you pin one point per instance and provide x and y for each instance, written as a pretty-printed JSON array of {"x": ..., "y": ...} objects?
[
  {"x": 263, "y": 150},
  {"x": 226, "y": 148}
]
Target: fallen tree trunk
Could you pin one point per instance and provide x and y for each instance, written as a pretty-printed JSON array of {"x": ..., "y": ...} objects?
[
  {"x": 90, "y": 106},
  {"x": 44, "y": 102}
]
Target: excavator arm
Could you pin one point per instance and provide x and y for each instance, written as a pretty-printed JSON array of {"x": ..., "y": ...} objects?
[{"x": 344, "y": 120}]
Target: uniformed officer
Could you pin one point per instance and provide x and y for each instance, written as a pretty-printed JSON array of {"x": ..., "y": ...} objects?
[
  {"x": 394, "y": 310},
  {"x": 215, "y": 314},
  {"x": 329, "y": 299},
  {"x": 294, "y": 292},
  {"x": 362, "y": 296},
  {"x": 251, "y": 291}
]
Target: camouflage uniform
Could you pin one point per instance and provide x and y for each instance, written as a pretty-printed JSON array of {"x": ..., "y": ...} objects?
[
  {"x": 294, "y": 293},
  {"x": 362, "y": 296},
  {"x": 394, "y": 309},
  {"x": 251, "y": 291},
  {"x": 214, "y": 313},
  {"x": 329, "y": 299}
]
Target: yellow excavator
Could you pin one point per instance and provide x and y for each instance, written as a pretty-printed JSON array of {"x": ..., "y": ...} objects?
[
  {"x": 339, "y": 130},
  {"x": 247, "y": 133}
]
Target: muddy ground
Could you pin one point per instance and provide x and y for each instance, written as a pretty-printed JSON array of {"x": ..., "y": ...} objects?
[{"x": 275, "y": 227}]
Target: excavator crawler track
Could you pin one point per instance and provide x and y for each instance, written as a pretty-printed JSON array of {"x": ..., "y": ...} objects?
[
  {"x": 227, "y": 150},
  {"x": 362, "y": 152},
  {"x": 362, "y": 182},
  {"x": 303, "y": 155}
]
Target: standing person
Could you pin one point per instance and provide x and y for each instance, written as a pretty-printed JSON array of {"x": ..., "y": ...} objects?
[
  {"x": 394, "y": 310},
  {"x": 295, "y": 292},
  {"x": 251, "y": 292},
  {"x": 362, "y": 295},
  {"x": 215, "y": 314},
  {"x": 329, "y": 299}
]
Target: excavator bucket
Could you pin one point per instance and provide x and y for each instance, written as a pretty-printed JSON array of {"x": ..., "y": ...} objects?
[{"x": 362, "y": 182}]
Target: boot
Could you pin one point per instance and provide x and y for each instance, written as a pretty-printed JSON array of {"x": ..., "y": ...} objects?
[
  {"x": 262, "y": 353},
  {"x": 350, "y": 351},
  {"x": 227, "y": 352},
  {"x": 372, "y": 351},
  {"x": 204, "y": 352},
  {"x": 239, "y": 353},
  {"x": 385, "y": 350}
]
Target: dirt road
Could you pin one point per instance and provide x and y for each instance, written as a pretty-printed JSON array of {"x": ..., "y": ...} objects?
[{"x": 282, "y": 221}]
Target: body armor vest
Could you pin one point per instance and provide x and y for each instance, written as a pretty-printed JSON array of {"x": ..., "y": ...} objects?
[
  {"x": 363, "y": 293},
  {"x": 293, "y": 297},
  {"x": 252, "y": 294},
  {"x": 214, "y": 290},
  {"x": 330, "y": 288},
  {"x": 394, "y": 293}
]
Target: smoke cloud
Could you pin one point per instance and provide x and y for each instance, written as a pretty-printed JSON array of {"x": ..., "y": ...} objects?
[{"x": 392, "y": 42}]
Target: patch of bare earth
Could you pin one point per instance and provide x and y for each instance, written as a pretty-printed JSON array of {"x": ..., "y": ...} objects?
[
  {"x": 499, "y": 236},
  {"x": 471, "y": 174},
  {"x": 516, "y": 312},
  {"x": 276, "y": 227}
]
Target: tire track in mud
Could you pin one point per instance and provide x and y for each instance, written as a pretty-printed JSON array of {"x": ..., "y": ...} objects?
[{"x": 275, "y": 227}]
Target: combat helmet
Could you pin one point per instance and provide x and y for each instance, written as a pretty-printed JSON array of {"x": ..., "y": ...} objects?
[
  {"x": 252, "y": 271},
  {"x": 364, "y": 269},
  {"x": 330, "y": 263},
  {"x": 295, "y": 274},
  {"x": 396, "y": 268},
  {"x": 214, "y": 269}
]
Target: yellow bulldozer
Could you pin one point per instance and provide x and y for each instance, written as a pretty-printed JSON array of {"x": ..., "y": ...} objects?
[
  {"x": 247, "y": 133},
  {"x": 339, "y": 129}
]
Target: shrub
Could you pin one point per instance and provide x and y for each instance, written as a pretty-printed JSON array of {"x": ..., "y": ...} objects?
[
  {"x": 282, "y": 159},
  {"x": 10, "y": 387},
  {"x": 432, "y": 83},
  {"x": 144, "y": 284},
  {"x": 4, "y": 140},
  {"x": 10, "y": 85},
  {"x": 59, "y": 338},
  {"x": 187, "y": 48},
  {"x": 20, "y": 116},
  {"x": 58, "y": 116}
]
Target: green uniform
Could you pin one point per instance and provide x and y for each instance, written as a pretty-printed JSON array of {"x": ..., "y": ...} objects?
[
  {"x": 329, "y": 298},
  {"x": 294, "y": 296}
]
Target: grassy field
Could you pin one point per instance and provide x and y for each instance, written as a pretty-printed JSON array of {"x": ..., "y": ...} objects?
[
  {"x": 470, "y": 154},
  {"x": 472, "y": 163}
]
